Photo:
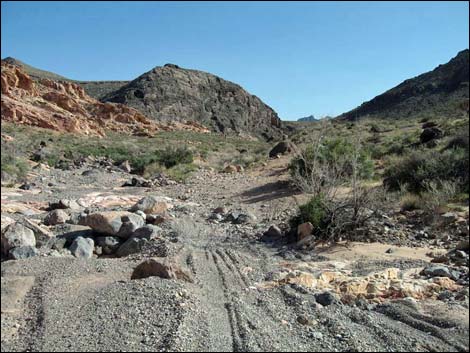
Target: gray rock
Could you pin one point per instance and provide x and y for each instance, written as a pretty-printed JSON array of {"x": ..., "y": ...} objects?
[
  {"x": 65, "y": 204},
  {"x": 326, "y": 298},
  {"x": 440, "y": 271},
  {"x": 23, "y": 252},
  {"x": 109, "y": 244},
  {"x": 151, "y": 205},
  {"x": 56, "y": 217},
  {"x": 147, "y": 232},
  {"x": 125, "y": 166},
  {"x": 82, "y": 247},
  {"x": 16, "y": 235},
  {"x": 273, "y": 231},
  {"x": 118, "y": 223},
  {"x": 131, "y": 246},
  {"x": 245, "y": 218},
  {"x": 141, "y": 214},
  {"x": 68, "y": 233}
]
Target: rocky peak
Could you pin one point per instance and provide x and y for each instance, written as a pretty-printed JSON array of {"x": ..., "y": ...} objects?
[{"x": 172, "y": 93}]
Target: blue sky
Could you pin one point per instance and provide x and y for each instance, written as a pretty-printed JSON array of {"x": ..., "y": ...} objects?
[{"x": 301, "y": 58}]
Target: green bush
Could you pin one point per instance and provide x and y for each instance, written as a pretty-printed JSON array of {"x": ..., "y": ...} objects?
[
  {"x": 171, "y": 157},
  {"x": 419, "y": 168},
  {"x": 314, "y": 211},
  {"x": 337, "y": 153},
  {"x": 15, "y": 167}
]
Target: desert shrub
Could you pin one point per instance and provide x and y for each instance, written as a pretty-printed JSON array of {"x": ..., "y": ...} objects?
[
  {"x": 410, "y": 202},
  {"x": 171, "y": 157},
  {"x": 314, "y": 211},
  {"x": 459, "y": 141},
  {"x": 338, "y": 155},
  {"x": 421, "y": 167},
  {"x": 178, "y": 172},
  {"x": 333, "y": 172},
  {"x": 13, "y": 166}
]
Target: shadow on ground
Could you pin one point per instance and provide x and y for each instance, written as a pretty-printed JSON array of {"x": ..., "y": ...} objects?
[{"x": 268, "y": 192}]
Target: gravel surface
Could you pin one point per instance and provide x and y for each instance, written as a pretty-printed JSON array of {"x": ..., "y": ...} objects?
[{"x": 69, "y": 304}]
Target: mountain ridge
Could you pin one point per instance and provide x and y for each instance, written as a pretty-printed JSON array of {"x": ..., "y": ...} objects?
[{"x": 442, "y": 91}]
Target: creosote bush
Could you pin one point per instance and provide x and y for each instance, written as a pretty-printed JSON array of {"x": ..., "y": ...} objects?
[
  {"x": 333, "y": 172},
  {"x": 421, "y": 167}
]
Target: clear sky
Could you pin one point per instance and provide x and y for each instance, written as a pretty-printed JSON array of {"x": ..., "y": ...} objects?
[{"x": 301, "y": 58}]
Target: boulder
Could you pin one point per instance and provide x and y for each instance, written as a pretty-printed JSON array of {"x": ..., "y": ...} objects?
[
  {"x": 56, "y": 217},
  {"x": 273, "y": 232},
  {"x": 65, "y": 204},
  {"x": 430, "y": 134},
  {"x": 6, "y": 221},
  {"x": 82, "y": 247},
  {"x": 118, "y": 223},
  {"x": 159, "y": 267},
  {"x": 304, "y": 230},
  {"x": 152, "y": 205},
  {"x": 147, "y": 232},
  {"x": 23, "y": 252},
  {"x": 43, "y": 235},
  {"x": 326, "y": 298},
  {"x": 131, "y": 246},
  {"x": 282, "y": 147},
  {"x": 16, "y": 235},
  {"x": 440, "y": 271}
]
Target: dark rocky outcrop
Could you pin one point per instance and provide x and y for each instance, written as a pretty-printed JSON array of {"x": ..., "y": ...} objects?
[
  {"x": 443, "y": 91},
  {"x": 170, "y": 93}
]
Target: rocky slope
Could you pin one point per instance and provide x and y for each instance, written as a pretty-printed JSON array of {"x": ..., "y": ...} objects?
[
  {"x": 443, "y": 92},
  {"x": 95, "y": 89},
  {"x": 171, "y": 93},
  {"x": 64, "y": 106}
]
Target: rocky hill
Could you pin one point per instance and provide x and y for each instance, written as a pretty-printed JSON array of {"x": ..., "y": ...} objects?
[
  {"x": 443, "y": 91},
  {"x": 172, "y": 93},
  {"x": 65, "y": 106}
]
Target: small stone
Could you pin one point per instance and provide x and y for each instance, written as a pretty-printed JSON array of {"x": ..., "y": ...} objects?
[{"x": 304, "y": 320}]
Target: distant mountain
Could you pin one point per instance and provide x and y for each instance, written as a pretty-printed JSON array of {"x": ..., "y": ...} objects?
[
  {"x": 443, "y": 91},
  {"x": 308, "y": 118},
  {"x": 171, "y": 93}
]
